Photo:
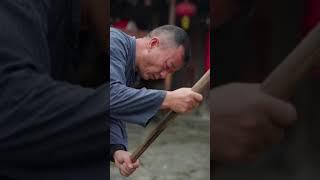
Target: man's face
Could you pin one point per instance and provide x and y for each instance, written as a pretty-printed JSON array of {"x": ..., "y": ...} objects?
[{"x": 160, "y": 61}]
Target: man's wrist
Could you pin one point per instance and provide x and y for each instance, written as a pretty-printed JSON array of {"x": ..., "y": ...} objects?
[
  {"x": 166, "y": 102},
  {"x": 114, "y": 148}
]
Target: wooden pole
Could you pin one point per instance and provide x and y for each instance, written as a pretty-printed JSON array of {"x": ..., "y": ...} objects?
[{"x": 283, "y": 80}]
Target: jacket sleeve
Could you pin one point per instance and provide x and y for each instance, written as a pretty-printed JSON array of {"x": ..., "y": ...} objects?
[{"x": 43, "y": 121}]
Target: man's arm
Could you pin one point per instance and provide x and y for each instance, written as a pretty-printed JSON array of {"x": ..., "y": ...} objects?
[
  {"x": 118, "y": 149},
  {"x": 140, "y": 105},
  {"x": 42, "y": 121}
]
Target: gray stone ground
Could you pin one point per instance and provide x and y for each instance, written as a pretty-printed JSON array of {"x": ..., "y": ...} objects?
[{"x": 181, "y": 152}]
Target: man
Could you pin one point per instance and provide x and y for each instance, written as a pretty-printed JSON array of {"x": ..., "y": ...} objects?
[
  {"x": 49, "y": 128},
  {"x": 164, "y": 50}
]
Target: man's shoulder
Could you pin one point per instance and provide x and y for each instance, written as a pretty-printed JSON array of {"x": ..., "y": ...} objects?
[
  {"x": 117, "y": 33},
  {"x": 121, "y": 42},
  {"x": 114, "y": 30},
  {"x": 119, "y": 38}
]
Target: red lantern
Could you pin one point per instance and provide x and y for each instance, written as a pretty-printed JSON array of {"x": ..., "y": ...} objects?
[{"x": 186, "y": 8}]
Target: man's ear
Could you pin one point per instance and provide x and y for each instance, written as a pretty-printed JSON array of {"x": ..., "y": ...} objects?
[{"x": 154, "y": 42}]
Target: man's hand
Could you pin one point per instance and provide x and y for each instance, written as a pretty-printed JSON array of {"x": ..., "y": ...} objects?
[
  {"x": 181, "y": 100},
  {"x": 124, "y": 163},
  {"x": 246, "y": 121}
]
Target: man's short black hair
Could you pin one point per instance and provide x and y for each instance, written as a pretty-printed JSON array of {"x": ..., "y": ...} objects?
[{"x": 179, "y": 35}]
